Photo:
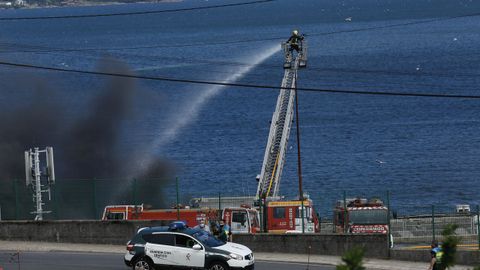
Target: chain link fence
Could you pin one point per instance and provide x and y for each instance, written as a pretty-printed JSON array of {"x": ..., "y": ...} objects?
[
  {"x": 84, "y": 198},
  {"x": 87, "y": 198}
]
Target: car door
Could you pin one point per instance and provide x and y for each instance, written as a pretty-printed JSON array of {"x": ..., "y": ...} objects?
[
  {"x": 239, "y": 222},
  {"x": 160, "y": 248},
  {"x": 184, "y": 253}
]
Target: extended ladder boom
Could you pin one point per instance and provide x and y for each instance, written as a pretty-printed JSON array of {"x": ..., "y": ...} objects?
[
  {"x": 274, "y": 158},
  {"x": 275, "y": 151}
]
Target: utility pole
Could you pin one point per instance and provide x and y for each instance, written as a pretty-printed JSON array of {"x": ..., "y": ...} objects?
[
  {"x": 300, "y": 184},
  {"x": 178, "y": 203}
]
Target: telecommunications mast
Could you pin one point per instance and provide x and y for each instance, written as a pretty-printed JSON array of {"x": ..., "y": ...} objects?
[{"x": 34, "y": 175}]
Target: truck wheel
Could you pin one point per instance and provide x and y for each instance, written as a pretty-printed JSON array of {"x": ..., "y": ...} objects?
[
  {"x": 143, "y": 263},
  {"x": 218, "y": 266}
]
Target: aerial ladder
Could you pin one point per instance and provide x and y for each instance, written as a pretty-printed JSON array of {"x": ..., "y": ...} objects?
[{"x": 274, "y": 158}]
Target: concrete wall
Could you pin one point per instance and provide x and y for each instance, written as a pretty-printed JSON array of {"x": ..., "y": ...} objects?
[
  {"x": 87, "y": 231},
  {"x": 330, "y": 244},
  {"x": 119, "y": 232}
]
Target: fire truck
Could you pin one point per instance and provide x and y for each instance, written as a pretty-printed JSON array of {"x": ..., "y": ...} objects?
[
  {"x": 280, "y": 216},
  {"x": 286, "y": 217},
  {"x": 361, "y": 216},
  {"x": 240, "y": 219}
]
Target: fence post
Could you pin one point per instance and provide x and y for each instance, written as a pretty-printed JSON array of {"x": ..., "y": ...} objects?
[
  {"x": 94, "y": 199},
  {"x": 303, "y": 215},
  {"x": 260, "y": 207},
  {"x": 265, "y": 214},
  {"x": 178, "y": 205},
  {"x": 135, "y": 191},
  {"x": 55, "y": 195},
  {"x": 345, "y": 214},
  {"x": 433, "y": 222},
  {"x": 388, "y": 222},
  {"x": 15, "y": 188},
  {"x": 478, "y": 226}
]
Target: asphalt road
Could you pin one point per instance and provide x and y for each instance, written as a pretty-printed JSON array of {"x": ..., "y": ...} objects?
[{"x": 82, "y": 261}]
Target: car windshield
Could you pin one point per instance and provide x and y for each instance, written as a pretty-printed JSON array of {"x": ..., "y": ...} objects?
[{"x": 207, "y": 238}]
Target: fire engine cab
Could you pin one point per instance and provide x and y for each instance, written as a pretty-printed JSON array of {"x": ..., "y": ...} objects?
[
  {"x": 240, "y": 219},
  {"x": 286, "y": 217},
  {"x": 361, "y": 216}
]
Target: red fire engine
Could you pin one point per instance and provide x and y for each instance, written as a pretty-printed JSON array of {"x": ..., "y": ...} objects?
[
  {"x": 286, "y": 217},
  {"x": 240, "y": 219},
  {"x": 283, "y": 216},
  {"x": 361, "y": 216}
]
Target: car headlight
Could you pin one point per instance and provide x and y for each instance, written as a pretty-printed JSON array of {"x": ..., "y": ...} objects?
[{"x": 236, "y": 256}]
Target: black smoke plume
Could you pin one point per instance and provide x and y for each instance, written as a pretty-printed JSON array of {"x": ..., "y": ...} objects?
[{"x": 92, "y": 168}]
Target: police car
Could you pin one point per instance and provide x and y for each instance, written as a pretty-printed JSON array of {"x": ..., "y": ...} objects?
[{"x": 181, "y": 247}]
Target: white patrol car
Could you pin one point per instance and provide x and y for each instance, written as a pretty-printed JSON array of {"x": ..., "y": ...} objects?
[{"x": 178, "y": 246}]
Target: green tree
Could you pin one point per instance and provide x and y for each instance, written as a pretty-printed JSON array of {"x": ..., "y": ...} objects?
[
  {"x": 449, "y": 246},
  {"x": 352, "y": 259}
]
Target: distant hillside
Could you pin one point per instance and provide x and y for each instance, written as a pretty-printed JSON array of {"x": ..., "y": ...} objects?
[{"x": 58, "y": 3}]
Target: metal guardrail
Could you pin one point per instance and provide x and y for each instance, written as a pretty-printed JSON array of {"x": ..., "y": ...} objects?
[{"x": 421, "y": 230}]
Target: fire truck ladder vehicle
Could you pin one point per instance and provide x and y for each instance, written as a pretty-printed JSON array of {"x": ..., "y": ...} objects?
[
  {"x": 279, "y": 216},
  {"x": 274, "y": 158}
]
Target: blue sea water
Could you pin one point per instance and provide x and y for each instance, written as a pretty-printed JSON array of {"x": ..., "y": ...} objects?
[{"x": 424, "y": 150}]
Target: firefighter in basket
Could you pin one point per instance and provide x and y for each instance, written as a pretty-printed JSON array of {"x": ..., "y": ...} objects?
[{"x": 295, "y": 41}]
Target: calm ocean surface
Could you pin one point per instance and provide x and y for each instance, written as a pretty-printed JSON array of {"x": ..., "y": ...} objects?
[{"x": 424, "y": 150}]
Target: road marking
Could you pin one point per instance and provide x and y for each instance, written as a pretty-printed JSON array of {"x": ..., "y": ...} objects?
[{"x": 463, "y": 246}]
